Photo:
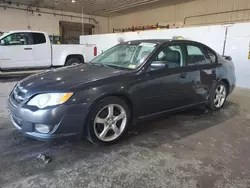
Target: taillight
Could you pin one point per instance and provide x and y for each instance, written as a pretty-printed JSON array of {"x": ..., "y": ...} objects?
[{"x": 95, "y": 51}]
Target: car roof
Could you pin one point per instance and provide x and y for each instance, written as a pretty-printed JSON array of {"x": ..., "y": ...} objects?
[
  {"x": 149, "y": 40},
  {"x": 25, "y": 31},
  {"x": 157, "y": 41}
]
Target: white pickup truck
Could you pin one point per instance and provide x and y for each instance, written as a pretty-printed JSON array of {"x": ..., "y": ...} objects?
[{"x": 33, "y": 50}]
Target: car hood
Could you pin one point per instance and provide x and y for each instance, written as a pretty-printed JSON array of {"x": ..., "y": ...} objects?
[{"x": 63, "y": 78}]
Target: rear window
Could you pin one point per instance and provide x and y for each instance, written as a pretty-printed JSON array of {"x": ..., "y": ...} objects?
[
  {"x": 38, "y": 38},
  {"x": 195, "y": 55},
  {"x": 212, "y": 56}
]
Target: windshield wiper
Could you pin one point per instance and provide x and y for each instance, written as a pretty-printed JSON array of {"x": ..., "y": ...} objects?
[
  {"x": 110, "y": 65},
  {"x": 118, "y": 67},
  {"x": 97, "y": 64},
  {"x": 102, "y": 65}
]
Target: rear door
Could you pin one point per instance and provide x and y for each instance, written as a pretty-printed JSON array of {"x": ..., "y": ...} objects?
[
  {"x": 42, "y": 50},
  {"x": 16, "y": 51},
  {"x": 200, "y": 65}
]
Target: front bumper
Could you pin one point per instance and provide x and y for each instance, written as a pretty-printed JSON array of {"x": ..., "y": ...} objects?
[{"x": 64, "y": 120}]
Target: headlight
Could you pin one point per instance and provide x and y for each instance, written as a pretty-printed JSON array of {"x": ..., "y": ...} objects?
[{"x": 49, "y": 99}]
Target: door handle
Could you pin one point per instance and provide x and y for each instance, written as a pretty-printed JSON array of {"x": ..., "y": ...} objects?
[
  {"x": 27, "y": 48},
  {"x": 183, "y": 75}
]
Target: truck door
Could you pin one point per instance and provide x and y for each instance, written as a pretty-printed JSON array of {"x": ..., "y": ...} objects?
[
  {"x": 16, "y": 51},
  {"x": 42, "y": 50}
]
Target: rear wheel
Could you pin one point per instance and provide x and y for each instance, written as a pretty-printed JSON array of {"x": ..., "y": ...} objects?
[
  {"x": 218, "y": 96},
  {"x": 108, "y": 121},
  {"x": 73, "y": 61}
]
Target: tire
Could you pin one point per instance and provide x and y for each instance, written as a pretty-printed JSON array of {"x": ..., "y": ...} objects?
[
  {"x": 217, "y": 99},
  {"x": 73, "y": 61},
  {"x": 104, "y": 127}
]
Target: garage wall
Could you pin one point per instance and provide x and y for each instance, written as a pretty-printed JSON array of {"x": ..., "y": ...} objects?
[
  {"x": 11, "y": 19},
  {"x": 177, "y": 13}
]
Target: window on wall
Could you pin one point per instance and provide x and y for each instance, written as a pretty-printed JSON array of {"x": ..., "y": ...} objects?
[
  {"x": 16, "y": 39},
  {"x": 195, "y": 55},
  {"x": 38, "y": 38}
]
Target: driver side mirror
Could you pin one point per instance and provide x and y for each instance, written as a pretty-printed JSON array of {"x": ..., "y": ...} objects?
[{"x": 156, "y": 65}]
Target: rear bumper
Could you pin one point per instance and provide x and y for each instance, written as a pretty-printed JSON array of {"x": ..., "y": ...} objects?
[
  {"x": 63, "y": 120},
  {"x": 231, "y": 89}
]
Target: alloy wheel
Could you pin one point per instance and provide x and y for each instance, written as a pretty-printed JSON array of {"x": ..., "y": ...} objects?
[
  {"x": 220, "y": 96},
  {"x": 110, "y": 122}
]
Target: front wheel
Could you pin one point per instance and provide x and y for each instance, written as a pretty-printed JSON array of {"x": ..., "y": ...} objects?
[
  {"x": 218, "y": 96},
  {"x": 108, "y": 121}
]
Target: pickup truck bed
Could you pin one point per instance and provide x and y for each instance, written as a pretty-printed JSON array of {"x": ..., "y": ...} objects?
[{"x": 61, "y": 52}]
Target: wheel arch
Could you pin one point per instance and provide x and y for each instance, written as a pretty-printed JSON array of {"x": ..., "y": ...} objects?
[
  {"x": 78, "y": 56},
  {"x": 216, "y": 82},
  {"x": 227, "y": 84},
  {"x": 123, "y": 96}
]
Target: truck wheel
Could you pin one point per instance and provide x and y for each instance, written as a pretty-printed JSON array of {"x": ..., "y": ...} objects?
[{"x": 73, "y": 61}]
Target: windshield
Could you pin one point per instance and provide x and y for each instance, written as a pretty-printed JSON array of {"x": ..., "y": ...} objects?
[
  {"x": 128, "y": 55},
  {"x": 3, "y": 35}
]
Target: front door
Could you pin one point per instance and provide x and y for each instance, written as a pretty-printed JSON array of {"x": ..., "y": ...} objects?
[
  {"x": 16, "y": 51},
  {"x": 165, "y": 83}
]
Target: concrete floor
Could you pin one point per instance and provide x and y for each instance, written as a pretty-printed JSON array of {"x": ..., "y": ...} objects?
[{"x": 186, "y": 150}]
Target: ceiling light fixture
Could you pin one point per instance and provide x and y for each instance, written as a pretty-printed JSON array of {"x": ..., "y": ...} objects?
[{"x": 73, "y": 1}]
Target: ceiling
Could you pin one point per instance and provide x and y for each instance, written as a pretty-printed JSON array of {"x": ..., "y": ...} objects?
[{"x": 95, "y": 7}]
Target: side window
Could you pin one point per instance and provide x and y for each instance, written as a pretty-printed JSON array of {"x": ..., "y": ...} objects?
[
  {"x": 16, "y": 39},
  {"x": 38, "y": 38},
  {"x": 171, "y": 56},
  {"x": 195, "y": 55},
  {"x": 212, "y": 56}
]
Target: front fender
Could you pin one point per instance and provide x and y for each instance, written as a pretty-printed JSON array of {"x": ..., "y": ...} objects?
[{"x": 96, "y": 93}]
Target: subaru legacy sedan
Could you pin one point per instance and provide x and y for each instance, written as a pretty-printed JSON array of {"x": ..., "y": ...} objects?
[{"x": 131, "y": 81}]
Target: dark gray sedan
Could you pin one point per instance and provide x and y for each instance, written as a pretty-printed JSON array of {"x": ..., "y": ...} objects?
[{"x": 133, "y": 80}]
